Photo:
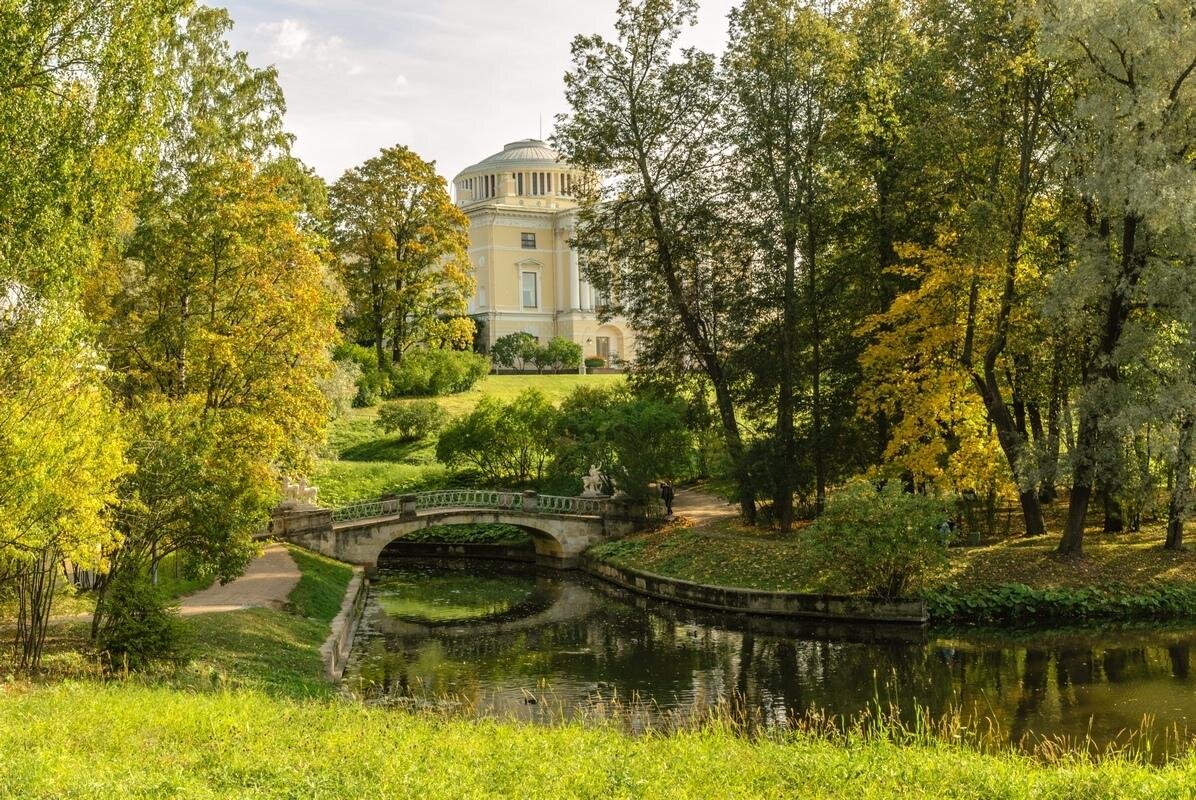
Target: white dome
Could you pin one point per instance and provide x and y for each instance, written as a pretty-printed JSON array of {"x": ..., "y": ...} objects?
[{"x": 516, "y": 155}]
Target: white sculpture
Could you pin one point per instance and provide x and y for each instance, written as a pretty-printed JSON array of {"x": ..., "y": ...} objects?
[
  {"x": 299, "y": 494},
  {"x": 592, "y": 483}
]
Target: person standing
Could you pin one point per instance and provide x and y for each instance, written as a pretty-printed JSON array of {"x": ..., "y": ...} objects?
[{"x": 667, "y": 494}]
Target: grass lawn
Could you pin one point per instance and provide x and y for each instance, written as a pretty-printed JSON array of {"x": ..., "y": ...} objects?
[
  {"x": 260, "y": 649},
  {"x": 1017, "y": 580},
  {"x": 363, "y": 463},
  {"x": 87, "y": 740}
]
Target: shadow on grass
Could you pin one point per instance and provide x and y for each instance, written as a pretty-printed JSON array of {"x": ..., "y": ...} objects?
[{"x": 390, "y": 448}]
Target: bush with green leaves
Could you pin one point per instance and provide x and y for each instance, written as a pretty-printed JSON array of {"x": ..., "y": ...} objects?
[
  {"x": 515, "y": 350},
  {"x": 508, "y": 443},
  {"x": 411, "y": 420},
  {"x": 880, "y": 540},
  {"x": 373, "y": 381},
  {"x": 559, "y": 354},
  {"x": 431, "y": 373},
  {"x": 140, "y": 625},
  {"x": 594, "y": 362}
]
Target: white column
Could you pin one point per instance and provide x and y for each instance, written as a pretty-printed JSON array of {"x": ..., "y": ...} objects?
[
  {"x": 574, "y": 278},
  {"x": 587, "y": 296}
]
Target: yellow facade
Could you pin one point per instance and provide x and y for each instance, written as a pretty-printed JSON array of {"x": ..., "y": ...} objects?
[{"x": 521, "y": 214}]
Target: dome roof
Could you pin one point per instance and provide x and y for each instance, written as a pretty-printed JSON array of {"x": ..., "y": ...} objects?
[{"x": 524, "y": 153}]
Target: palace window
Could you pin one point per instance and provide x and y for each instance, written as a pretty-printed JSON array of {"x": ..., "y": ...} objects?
[
  {"x": 530, "y": 290},
  {"x": 528, "y": 240},
  {"x": 519, "y": 183}
]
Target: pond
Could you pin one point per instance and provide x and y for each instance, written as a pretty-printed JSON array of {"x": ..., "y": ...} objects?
[{"x": 512, "y": 642}]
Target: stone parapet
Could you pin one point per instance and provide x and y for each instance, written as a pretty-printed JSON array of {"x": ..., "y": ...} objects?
[{"x": 756, "y": 601}]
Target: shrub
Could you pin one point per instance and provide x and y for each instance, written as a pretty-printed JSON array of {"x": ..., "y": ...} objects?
[
  {"x": 341, "y": 387},
  {"x": 430, "y": 373},
  {"x": 373, "y": 382},
  {"x": 139, "y": 625},
  {"x": 560, "y": 354},
  {"x": 879, "y": 540},
  {"x": 503, "y": 442},
  {"x": 515, "y": 350},
  {"x": 413, "y": 419},
  {"x": 594, "y": 362}
]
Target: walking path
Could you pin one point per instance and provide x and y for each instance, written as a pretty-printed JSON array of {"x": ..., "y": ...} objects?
[
  {"x": 701, "y": 508},
  {"x": 266, "y": 584}
]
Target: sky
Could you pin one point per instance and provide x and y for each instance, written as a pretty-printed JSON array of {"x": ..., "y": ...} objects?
[{"x": 454, "y": 80}]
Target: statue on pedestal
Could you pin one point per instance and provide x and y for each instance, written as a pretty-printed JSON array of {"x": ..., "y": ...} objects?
[
  {"x": 592, "y": 483},
  {"x": 299, "y": 494}
]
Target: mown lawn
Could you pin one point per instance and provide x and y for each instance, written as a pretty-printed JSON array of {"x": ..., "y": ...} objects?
[
  {"x": 363, "y": 463},
  {"x": 87, "y": 740}
]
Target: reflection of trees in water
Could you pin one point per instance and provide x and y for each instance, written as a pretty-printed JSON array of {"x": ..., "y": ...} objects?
[{"x": 1051, "y": 686}]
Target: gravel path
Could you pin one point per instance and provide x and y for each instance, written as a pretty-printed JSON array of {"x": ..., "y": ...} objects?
[{"x": 266, "y": 584}]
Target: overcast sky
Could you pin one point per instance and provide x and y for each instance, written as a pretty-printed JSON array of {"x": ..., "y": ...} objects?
[{"x": 454, "y": 80}]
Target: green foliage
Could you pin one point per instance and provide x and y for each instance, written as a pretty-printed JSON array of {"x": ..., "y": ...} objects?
[
  {"x": 503, "y": 442},
  {"x": 341, "y": 387},
  {"x": 433, "y": 372},
  {"x": 880, "y": 540},
  {"x": 139, "y": 625},
  {"x": 594, "y": 362},
  {"x": 490, "y": 533},
  {"x": 402, "y": 246},
  {"x": 412, "y": 420},
  {"x": 559, "y": 354},
  {"x": 373, "y": 382},
  {"x": 1018, "y": 604},
  {"x": 515, "y": 350},
  {"x": 632, "y": 438}
]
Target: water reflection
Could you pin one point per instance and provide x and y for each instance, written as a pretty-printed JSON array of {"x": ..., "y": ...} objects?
[{"x": 545, "y": 646}]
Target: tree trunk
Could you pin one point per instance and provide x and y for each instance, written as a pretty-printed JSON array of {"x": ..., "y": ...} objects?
[
  {"x": 1101, "y": 377},
  {"x": 783, "y": 501},
  {"x": 1181, "y": 484},
  {"x": 1050, "y": 453},
  {"x": 1114, "y": 514},
  {"x": 816, "y": 383}
]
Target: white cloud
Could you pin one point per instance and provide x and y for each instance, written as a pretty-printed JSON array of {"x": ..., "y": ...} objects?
[{"x": 287, "y": 37}]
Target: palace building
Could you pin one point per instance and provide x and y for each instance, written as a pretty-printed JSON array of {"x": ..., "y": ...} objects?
[{"x": 521, "y": 214}]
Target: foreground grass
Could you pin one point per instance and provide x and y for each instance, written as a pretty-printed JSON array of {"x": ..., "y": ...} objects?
[
  {"x": 86, "y": 740},
  {"x": 363, "y": 463}
]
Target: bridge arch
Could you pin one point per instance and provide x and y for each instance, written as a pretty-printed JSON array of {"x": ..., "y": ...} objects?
[{"x": 562, "y": 528}]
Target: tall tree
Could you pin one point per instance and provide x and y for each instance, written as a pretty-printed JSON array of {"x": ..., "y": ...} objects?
[
  {"x": 79, "y": 108},
  {"x": 1131, "y": 158},
  {"x": 786, "y": 65},
  {"x": 220, "y": 323},
  {"x": 645, "y": 122},
  {"x": 402, "y": 245}
]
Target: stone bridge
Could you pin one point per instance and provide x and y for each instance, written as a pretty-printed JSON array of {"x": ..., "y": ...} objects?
[{"x": 561, "y": 527}]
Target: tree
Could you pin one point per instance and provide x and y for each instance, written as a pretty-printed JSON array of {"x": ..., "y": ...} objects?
[
  {"x": 220, "y": 324},
  {"x": 79, "y": 108},
  {"x": 786, "y": 66},
  {"x": 515, "y": 350},
  {"x": 1130, "y": 163},
  {"x": 645, "y": 122},
  {"x": 402, "y": 246}
]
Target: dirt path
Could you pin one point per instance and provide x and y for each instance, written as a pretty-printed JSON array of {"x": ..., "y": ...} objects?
[
  {"x": 701, "y": 508},
  {"x": 266, "y": 584}
]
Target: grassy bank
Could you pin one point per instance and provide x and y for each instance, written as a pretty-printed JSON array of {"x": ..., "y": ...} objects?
[
  {"x": 84, "y": 740},
  {"x": 362, "y": 463},
  {"x": 1016, "y": 581}
]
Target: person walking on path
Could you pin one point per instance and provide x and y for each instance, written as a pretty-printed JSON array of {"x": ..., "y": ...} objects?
[{"x": 667, "y": 494}]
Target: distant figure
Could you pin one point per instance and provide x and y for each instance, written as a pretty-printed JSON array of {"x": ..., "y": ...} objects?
[{"x": 667, "y": 494}]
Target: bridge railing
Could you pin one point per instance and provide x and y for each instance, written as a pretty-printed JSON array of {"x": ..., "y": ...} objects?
[{"x": 528, "y": 502}]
